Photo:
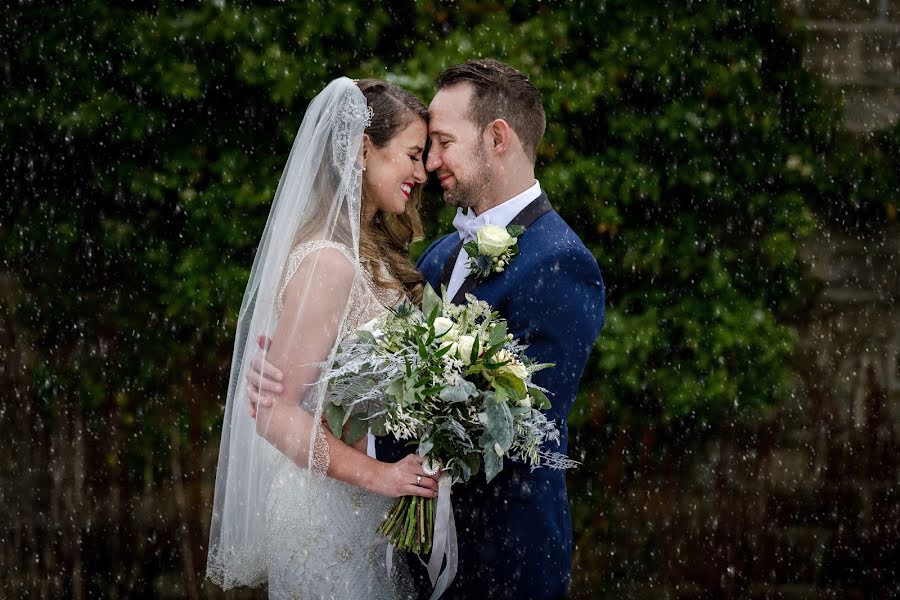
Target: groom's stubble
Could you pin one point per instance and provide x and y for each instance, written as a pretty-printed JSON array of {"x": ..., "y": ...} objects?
[{"x": 474, "y": 186}]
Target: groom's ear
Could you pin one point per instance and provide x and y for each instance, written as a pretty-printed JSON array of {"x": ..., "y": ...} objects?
[{"x": 501, "y": 134}]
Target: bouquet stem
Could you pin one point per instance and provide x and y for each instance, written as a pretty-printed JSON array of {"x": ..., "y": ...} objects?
[{"x": 410, "y": 524}]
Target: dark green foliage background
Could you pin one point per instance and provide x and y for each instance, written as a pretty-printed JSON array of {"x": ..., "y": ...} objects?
[{"x": 141, "y": 148}]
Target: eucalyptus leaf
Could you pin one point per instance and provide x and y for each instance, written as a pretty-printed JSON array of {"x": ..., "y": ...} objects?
[
  {"x": 335, "y": 416},
  {"x": 499, "y": 423},
  {"x": 459, "y": 393},
  {"x": 412, "y": 394},
  {"x": 357, "y": 429},
  {"x": 515, "y": 230},
  {"x": 500, "y": 391},
  {"x": 395, "y": 389},
  {"x": 378, "y": 426},
  {"x": 493, "y": 464}
]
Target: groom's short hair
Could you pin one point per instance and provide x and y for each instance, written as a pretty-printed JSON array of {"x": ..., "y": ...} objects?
[{"x": 500, "y": 92}]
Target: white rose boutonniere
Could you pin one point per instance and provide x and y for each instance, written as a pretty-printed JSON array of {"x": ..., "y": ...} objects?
[
  {"x": 493, "y": 240},
  {"x": 493, "y": 249}
]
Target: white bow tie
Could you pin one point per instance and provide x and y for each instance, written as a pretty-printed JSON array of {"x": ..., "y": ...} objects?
[{"x": 467, "y": 225}]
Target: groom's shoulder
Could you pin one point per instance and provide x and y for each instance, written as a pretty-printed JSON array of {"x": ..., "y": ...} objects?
[
  {"x": 444, "y": 242},
  {"x": 555, "y": 236}
]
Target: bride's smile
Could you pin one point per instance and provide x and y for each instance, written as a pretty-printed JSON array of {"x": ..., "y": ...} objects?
[{"x": 393, "y": 171}]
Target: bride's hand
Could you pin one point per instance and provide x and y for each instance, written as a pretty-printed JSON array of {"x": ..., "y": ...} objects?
[
  {"x": 263, "y": 380},
  {"x": 406, "y": 478}
]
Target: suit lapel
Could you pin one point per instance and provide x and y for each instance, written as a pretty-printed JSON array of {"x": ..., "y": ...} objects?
[
  {"x": 451, "y": 262},
  {"x": 536, "y": 209}
]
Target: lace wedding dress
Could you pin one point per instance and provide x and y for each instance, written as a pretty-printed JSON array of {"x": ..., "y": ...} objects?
[{"x": 320, "y": 539}]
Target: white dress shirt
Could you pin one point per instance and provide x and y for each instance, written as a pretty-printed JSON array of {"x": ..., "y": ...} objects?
[{"x": 500, "y": 215}]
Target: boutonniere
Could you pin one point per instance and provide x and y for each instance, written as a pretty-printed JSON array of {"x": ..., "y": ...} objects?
[{"x": 493, "y": 249}]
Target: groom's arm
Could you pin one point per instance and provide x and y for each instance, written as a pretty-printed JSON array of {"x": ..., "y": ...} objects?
[
  {"x": 428, "y": 250},
  {"x": 430, "y": 265},
  {"x": 560, "y": 313}
]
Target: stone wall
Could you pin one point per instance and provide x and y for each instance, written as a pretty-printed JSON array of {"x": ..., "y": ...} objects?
[{"x": 855, "y": 46}]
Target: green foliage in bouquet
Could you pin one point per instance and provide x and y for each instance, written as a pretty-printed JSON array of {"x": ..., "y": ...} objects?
[{"x": 451, "y": 382}]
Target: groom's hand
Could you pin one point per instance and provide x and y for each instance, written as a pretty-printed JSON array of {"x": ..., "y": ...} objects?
[{"x": 263, "y": 380}]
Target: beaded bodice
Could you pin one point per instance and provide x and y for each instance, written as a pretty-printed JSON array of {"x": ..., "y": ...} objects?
[{"x": 367, "y": 300}]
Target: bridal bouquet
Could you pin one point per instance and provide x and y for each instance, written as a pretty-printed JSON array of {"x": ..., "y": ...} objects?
[{"x": 451, "y": 381}]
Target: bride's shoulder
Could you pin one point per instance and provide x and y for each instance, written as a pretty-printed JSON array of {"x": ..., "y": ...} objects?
[
  {"x": 317, "y": 265},
  {"x": 321, "y": 260},
  {"x": 324, "y": 252}
]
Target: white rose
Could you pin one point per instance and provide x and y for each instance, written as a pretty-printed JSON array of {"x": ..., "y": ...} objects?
[
  {"x": 443, "y": 327},
  {"x": 454, "y": 348},
  {"x": 503, "y": 356},
  {"x": 466, "y": 343},
  {"x": 517, "y": 370},
  {"x": 493, "y": 240}
]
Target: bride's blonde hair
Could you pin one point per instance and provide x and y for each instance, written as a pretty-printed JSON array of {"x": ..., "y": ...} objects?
[{"x": 385, "y": 239}]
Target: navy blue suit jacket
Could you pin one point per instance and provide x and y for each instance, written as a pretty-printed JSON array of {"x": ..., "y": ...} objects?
[{"x": 515, "y": 534}]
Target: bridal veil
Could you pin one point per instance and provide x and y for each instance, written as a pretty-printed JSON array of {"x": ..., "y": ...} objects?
[{"x": 301, "y": 302}]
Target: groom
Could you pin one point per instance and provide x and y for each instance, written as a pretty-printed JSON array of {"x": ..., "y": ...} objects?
[{"x": 486, "y": 121}]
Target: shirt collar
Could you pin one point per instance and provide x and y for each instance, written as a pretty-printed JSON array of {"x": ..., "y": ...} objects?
[{"x": 505, "y": 212}]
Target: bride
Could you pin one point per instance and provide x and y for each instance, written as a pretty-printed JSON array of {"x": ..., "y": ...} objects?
[{"x": 295, "y": 506}]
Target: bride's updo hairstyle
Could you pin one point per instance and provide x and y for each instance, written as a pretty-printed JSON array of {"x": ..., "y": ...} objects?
[{"x": 385, "y": 238}]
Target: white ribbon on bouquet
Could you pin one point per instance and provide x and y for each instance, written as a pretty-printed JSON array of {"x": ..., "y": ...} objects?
[{"x": 444, "y": 542}]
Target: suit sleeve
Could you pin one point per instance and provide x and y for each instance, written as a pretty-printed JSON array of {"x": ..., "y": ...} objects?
[
  {"x": 431, "y": 264},
  {"x": 559, "y": 311},
  {"x": 427, "y": 252}
]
